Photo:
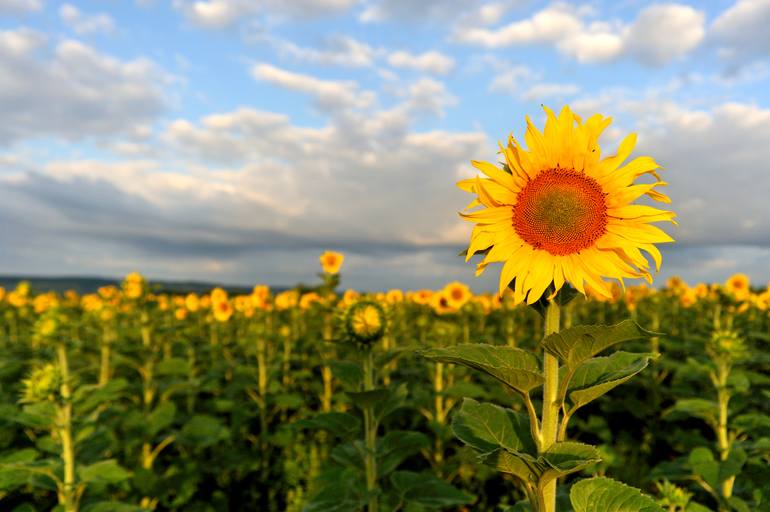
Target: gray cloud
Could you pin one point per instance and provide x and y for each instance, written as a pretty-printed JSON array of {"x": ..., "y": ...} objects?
[
  {"x": 72, "y": 91},
  {"x": 741, "y": 32}
]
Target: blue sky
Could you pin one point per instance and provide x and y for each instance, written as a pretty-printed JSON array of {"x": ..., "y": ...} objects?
[{"x": 234, "y": 140}]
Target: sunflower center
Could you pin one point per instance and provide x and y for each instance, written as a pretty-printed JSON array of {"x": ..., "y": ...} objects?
[{"x": 561, "y": 211}]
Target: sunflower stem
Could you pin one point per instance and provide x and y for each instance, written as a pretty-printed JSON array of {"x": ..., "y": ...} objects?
[
  {"x": 370, "y": 434},
  {"x": 550, "y": 417}
]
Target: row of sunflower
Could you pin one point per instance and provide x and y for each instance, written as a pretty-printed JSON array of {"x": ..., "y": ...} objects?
[{"x": 133, "y": 399}]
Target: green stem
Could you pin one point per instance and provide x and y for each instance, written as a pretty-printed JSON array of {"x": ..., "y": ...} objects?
[
  {"x": 550, "y": 417},
  {"x": 370, "y": 434},
  {"x": 723, "y": 440},
  {"x": 68, "y": 497}
]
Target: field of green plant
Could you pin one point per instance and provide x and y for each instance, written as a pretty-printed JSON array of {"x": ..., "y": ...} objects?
[{"x": 317, "y": 400}]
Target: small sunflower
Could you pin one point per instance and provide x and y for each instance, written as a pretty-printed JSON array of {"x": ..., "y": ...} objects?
[
  {"x": 557, "y": 212},
  {"x": 364, "y": 322},
  {"x": 41, "y": 384},
  {"x": 737, "y": 285},
  {"x": 331, "y": 262},
  {"x": 222, "y": 310},
  {"x": 457, "y": 294}
]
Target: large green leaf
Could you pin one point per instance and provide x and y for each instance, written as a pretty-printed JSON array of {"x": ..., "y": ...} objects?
[
  {"x": 427, "y": 490},
  {"x": 487, "y": 427},
  {"x": 707, "y": 410},
  {"x": 522, "y": 465},
  {"x": 602, "y": 494},
  {"x": 204, "y": 430},
  {"x": 382, "y": 401},
  {"x": 105, "y": 471},
  {"x": 703, "y": 465},
  {"x": 112, "y": 506},
  {"x": 580, "y": 343},
  {"x": 338, "y": 493},
  {"x": 599, "y": 375},
  {"x": 341, "y": 424},
  {"x": 396, "y": 446},
  {"x": 516, "y": 368},
  {"x": 567, "y": 457},
  {"x": 41, "y": 416},
  {"x": 161, "y": 417}
]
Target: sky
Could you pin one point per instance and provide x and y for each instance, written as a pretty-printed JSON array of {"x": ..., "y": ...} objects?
[{"x": 235, "y": 140}]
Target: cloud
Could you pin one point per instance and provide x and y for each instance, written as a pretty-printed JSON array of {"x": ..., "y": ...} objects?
[
  {"x": 74, "y": 78},
  {"x": 329, "y": 94},
  {"x": 428, "y": 62},
  {"x": 239, "y": 184},
  {"x": 527, "y": 84},
  {"x": 414, "y": 12},
  {"x": 83, "y": 24},
  {"x": 338, "y": 50},
  {"x": 741, "y": 31},
  {"x": 220, "y": 14},
  {"x": 20, "y": 6},
  {"x": 711, "y": 158},
  {"x": 429, "y": 96},
  {"x": 511, "y": 78},
  {"x": 542, "y": 91},
  {"x": 662, "y": 33},
  {"x": 571, "y": 31}
]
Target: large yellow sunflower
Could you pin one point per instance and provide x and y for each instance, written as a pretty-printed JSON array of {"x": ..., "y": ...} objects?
[{"x": 557, "y": 212}]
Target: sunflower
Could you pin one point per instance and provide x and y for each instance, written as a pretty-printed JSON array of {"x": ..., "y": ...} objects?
[
  {"x": 222, "y": 310},
  {"x": 738, "y": 286},
  {"x": 331, "y": 262},
  {"x": 457, "y": 294},
  {"x": 557, "y": 212}
]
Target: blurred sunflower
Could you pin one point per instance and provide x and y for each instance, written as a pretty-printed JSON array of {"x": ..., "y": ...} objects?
[
  {"x": 457, "y": 294},
  {"x": 556, "y": 212},
  {"x": 331, "y": 262},
  {"x": 738, "y": 286}
]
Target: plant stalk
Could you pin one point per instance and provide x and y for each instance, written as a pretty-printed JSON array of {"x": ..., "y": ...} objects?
[
  {"x": 68, "y": 497},
  {"x": 370, "y": 434},
  {"x": 550, "y": 416}
]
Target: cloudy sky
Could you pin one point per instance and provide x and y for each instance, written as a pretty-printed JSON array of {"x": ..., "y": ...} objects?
[{"x": 234, "y": 140}]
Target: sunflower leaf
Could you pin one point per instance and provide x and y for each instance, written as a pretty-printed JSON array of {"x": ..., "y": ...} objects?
[
  {"x": 580, "y": 343},
  {"x": 486, "y": 427},
  {"x": 602, "y": 494},
  {"x": 599, "y": 375},
  {"x": 565, "y": 458},
  {"x": 516, "y": 368}
]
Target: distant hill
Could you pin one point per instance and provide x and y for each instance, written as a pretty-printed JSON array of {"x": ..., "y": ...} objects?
[{"x": 91, "y": 284}]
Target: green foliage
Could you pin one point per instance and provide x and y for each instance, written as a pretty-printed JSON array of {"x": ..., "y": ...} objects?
[
  {"x": 606, "y": 495},
  {"x": 516, "y": 368}
]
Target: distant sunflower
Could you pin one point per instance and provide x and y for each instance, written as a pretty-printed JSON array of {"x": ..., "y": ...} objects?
[
  {"x": 457, "y": 294},
  {"x": 556, "y": 212},
  {"x": 331, "y": 261},
  {"x": 738, "y": 286}
]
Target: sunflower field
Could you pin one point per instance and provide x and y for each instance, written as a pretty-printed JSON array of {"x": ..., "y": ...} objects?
[
  {"x": 565, "y": 390},
  {"x": 133, "y": 400}
]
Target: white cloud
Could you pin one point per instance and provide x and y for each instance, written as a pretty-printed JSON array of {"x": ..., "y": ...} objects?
[
  {"x": 742, "y": 30},
  {"x": 338, "y": 50},
  {"x": 74, "y": 78},
  {"x": 429, "y": 11},
  {"x": 542, "y": 91},
  {"x": 528, "y": 85},
  {"x": 83, "y": 24},
  {"x": 511, "y": 79},
  {"x": 20, "y": 6},
  {"x": 219, "y": 14},
  {"x": 428, "y": 62},
  {"x": 665, "y": 32},
  {"x": 429, "y": 96},
  {"x": 330, "y": 94},
  {"x": 570, "y": 31},
  {"x": 245, "y": 182}
]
